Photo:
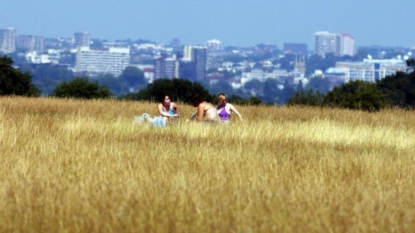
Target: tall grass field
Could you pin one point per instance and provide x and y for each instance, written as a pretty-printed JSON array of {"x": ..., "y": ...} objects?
[{"x": 84, "y": 166}]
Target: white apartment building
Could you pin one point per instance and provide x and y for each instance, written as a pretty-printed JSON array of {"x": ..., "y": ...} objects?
[
  {"x": 339, "y": 44},
  {"x": 30, "y": 43},
  {"x": 262, "y": 76},
  {"x": 82, "y": 39},
  {"x": 347, "y": 45},
  {"x": 95, "y": 61},
  {"x": 257, "y": 74},
  {"x": 39, "y": 58},
  {"x": 326, "y": 42},
  {"x": 187, "y": 51},
  {"x": 371, "y": 70},
  {"x": 7, "y": 40}
]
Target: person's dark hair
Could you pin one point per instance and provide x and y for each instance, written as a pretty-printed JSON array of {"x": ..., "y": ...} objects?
[
  {"x": 196, "y": 99},
  {"x": 161, "y": 98}
]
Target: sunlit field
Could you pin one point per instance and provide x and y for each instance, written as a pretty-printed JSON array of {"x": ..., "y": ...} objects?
[{"x": 84, "y": 166}]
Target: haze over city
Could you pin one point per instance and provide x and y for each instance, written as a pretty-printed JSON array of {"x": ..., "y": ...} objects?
[{"x": 235, "y": 23}]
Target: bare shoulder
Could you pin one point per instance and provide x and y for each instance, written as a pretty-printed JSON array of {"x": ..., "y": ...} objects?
[
  {"x": 209, "y": 105},
  {"x": 230, "y": 106}
]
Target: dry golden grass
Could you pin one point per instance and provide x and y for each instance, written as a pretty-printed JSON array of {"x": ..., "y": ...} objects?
[{"x": 83, "y": 166}]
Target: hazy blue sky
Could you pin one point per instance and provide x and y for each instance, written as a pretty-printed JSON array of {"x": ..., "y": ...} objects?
[{"x": 239, "y": 23}]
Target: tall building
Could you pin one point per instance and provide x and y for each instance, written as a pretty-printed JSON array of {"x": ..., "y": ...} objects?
[
  {"x": 165, "y": 67},
  {"x": 187, "y": 52},
  {"x": 82, "y": 39},
  {"x": 94, "y": 61},
  {"x": 347, "y": 45},
  {"x": 199, "y": 58},
  {"x": 7, "y": 40},
  {"x": 326, "y": 42},
  {"x": 339, "y": 44},
  {"x": 197, "y": 55},
  {"x": 30, "y": 43},
  {"x": 186, "y": 70}
]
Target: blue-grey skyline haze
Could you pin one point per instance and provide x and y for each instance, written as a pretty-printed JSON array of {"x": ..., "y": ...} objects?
[{"x": 235, "y": 23}]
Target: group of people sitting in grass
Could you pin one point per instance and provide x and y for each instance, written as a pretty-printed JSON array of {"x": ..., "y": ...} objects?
[{"x": 206, "y": 112}]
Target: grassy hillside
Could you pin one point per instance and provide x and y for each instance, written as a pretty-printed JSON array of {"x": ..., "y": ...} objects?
[{"x": 83, "y": 166}]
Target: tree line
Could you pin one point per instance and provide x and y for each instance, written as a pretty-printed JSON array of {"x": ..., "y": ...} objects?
[
  {"x": 46, "y": 77},
  {"x": 58, "y": 81},
  {"x": 397, "y": 90}
]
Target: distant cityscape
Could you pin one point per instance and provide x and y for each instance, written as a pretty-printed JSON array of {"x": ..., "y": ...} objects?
[{"x": 211, "y": 62}]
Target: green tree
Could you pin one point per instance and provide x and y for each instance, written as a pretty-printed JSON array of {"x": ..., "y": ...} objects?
[
  {"x": 178, "y": 89},
  {"x": 13, "y": 81},
  {"x": 245, "y": 95},
  {"x": 81, "y": 87},
  {"x": 254, "y": 101},
  {"x": 316, "y": 62},
  {"x": 285, "y": 94},
  {"x": 399, "y": 89},
  {"x": 254, "y": 84},
  {"x": 309, "y": 98},
  {"x": 238, "y": 100},
  {"x": 287, "y": 62},
  {"x": 18, "y": 58},
  {"x": 221, "y": 86},
  {"x": 205, "y": 83},
  {"x": 321, "y": 85},
  {"x": 313, "y": 63},
  {"x": 48, "y": 76},
  {"x": 133, "y": 77},
  {"x": 411, "y": 65},
  {"x": 272, "y": 91},
  {"x": 356, "y": 95},
  {"x": 112, "y": 83}
]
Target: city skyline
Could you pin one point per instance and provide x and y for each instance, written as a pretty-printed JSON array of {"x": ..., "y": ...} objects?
[{"x": 242, "y": 23}]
